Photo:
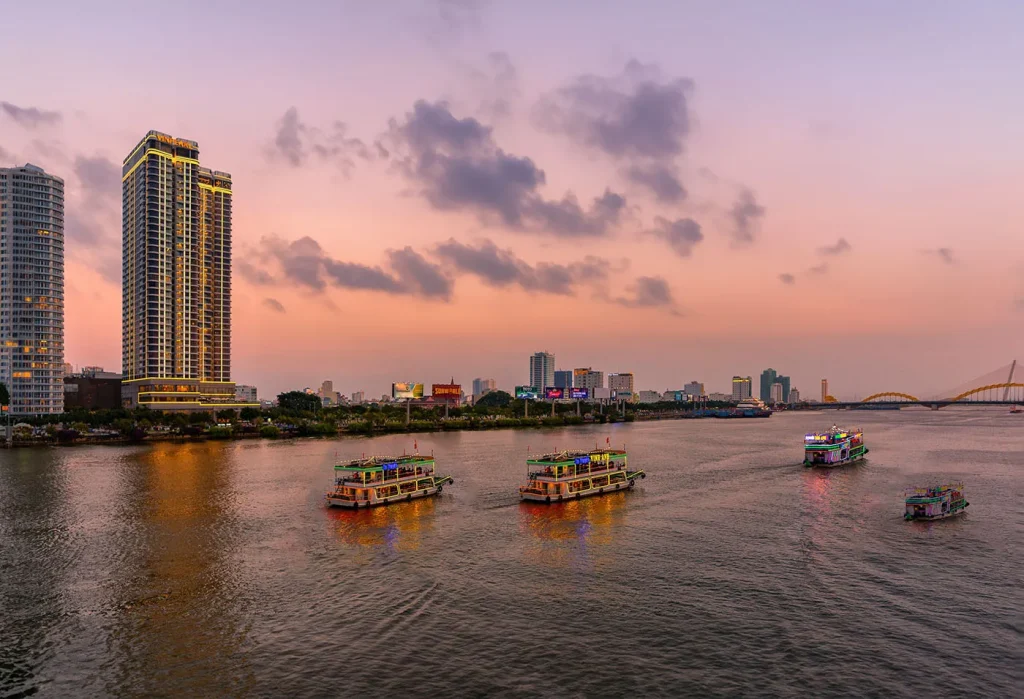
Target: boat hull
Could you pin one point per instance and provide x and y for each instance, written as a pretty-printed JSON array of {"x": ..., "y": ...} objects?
[
  {"x": 390, "y": 500},
  {"x": 932, "y": 518},
  {"x": 605, "y": 490},
  {"x": 844, "y": 462}
]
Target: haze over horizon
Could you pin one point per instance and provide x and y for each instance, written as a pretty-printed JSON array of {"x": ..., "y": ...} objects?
[{"x": 433, "y": 189}]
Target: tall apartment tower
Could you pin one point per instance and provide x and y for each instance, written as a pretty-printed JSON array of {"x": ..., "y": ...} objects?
[
  {"x": 32, "y": 289},
  {"x": 176, "y": 286},
  {"x": 824, "y": 390},
  {"x": 542, "y": 370},
  {"x": 741, "y": 388}
]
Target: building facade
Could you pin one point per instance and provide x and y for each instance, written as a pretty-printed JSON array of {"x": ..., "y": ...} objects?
[
  {"x": 650, "y": 397},
  {"x": 587, "y": 378},
  {"x": 245, "y": 394},
  {"x": 176, "y": 278},
  {"x": 741, "y": 388},
  {"x": 482, "y": 386},
  {"x": 794, "y": 395},
  {"x": 621, "y": 385},
  {"x": 775, "y": 395},
  {"x": 32, "y": 289},
  {"x": 694, "y": 388},
  {"x": 824, "y": 390},
  {"x": 92, "y": 391},
  {"x": 563, "y": 379},
  {"x": 542, "y": 370},
  {"x": 767, "y": 379}
]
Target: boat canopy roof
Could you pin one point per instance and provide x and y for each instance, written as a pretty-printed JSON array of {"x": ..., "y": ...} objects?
[
  {"x": 383, "y": 463},
  {"x": 934, "y": 491},
  {"x": 832, "y": 434},
  {"x": 575, "y": 457}
]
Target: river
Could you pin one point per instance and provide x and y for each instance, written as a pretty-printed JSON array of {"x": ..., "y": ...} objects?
[{"x": 213, "y": 568}]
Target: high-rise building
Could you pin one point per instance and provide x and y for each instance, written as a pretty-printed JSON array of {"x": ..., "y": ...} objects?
[
  {"x": 32, "y": 289},
  {"x": 482, "y": 386},
  {"x": 327, "y": 394},
  {"x": 563, "y": 379},
  {"x": 176, "y": 278},
  {"x": 794, "y": 396},
  {"x": 694, "y": 388},
  {"x": 767, "y": 379},
  {"x": 621, "y": 385},
  {"x": 784, "y": 380},
  {"x": 775, "y": 395},
  {"x": 741, "y": 388},
  {"x": 587, "y": 378},
  {"x": 542, "y": 370},
  {"x": 357, "y": 397},
  {"x": 824, "y": 390}
]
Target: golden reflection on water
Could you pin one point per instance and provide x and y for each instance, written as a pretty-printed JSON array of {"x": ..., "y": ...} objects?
[
  {"x": 399, "y": 527},
  {"x": 564, "y": 533}
]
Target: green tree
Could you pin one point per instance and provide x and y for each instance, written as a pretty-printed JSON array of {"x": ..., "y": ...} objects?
[
  {"x": 226, "y": 415},
  {"x": 200, "y": 418},
  {"x": 250, "y": 414},
  {"x": 299, "y": 401},
  {"x": 494, "y": 399}
]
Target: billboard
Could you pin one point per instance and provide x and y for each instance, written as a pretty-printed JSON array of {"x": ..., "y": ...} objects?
[
  {"x": 406, "y": 390},
  {"x": 602, "y": 393},
  {"x": 446, "y": 390},
  {"x": 554, "y": 393},
  {"x": 579, "y": 393},
  {"x": 526, "y": 392}
]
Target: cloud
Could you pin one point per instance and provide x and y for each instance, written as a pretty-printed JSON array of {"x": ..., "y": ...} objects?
[
  {"x": 944, "y": 254},
  {"x": 649, "y": 292},
  {"x": 682, "y": 234},
  {"x": 502, "y": 268},
  {"x": 304, "y": 262},
  {"x": 818, "y": 269},
  {"x": 253, "y": 274},
  {"x": 295, "y": 142},
  {"x": 745, "y": 214},
  {"x": 636, "y": 118},
  {"x": 30, "y": 117},
  {"x": 273, "y": 304},
  {"x": 459, "y": 167},
  {"x": 839, "y": 248},
  {"x": 5, "y": 156},
  {"x": 496, "y": 85},
  {"x": 455, "y": 16},
  {"x": 98, "y": 176},
  {"x": 787, "y": 278}
]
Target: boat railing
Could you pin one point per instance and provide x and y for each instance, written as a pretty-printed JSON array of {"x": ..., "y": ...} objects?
[
  {"x": 595, "y": 469},
  {"x": 380, "y": 477}
]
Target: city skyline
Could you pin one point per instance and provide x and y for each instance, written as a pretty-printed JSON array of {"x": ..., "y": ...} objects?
[{"x": 757, "y": 232}]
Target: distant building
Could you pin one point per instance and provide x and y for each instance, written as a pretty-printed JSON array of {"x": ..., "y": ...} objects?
[
  {"x": 245, "y": 394},
  {"x": 775, "y": 394},
  {"x": 483, "y": 386},
  {"x": 98, "y": 391},
  {"x": 784, "y": 380},
  {"x": 767, "y": 379},
  {"x": 357, "y": 397},
  {"x": 542, "y": 370},
  {"x": 328, "y": 396},
  {"x": 824, "y": 389},
  {"x": 794, "y": 395},
  {"x": 587, "y": 378},
  {"x": 720, "y": 397},
  {"x": 650, "y": 397},
  {"x": 32, "y": 289},
  {"x": 741, "y": 388},
  {"x": 694, "y": 388},
  {"x": 621, "y": 385},
  {"x": 563, "y": 379}
]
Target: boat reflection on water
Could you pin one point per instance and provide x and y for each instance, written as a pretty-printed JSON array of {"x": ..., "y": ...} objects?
[
  {"x": 565, "y": 531},
  {"x": 397, "y": 527}
]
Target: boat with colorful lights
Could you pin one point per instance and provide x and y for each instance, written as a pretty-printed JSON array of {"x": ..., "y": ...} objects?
[
  {"x": 571, "y": 475},
  {"x": 834, "y": 447},
  {"x": 935, "y": 502},
  {"x": 382, "y": 480}
]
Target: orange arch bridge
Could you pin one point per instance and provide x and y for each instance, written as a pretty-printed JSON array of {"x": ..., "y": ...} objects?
[
  {"x": 891, "y": 396},
  {"x": 991, "y": 387},
  {"x": 976, "y": 393}
]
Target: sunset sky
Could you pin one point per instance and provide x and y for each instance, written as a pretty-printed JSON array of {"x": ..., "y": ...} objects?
[{"x": 440, "y": 188}]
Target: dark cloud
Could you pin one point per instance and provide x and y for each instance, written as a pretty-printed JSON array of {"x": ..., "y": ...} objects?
[
  {"x": 251, "y": 273},
  {"x": 296, "y": 142},
  {"x": 682, "y": 234},
  {"x": 648, "y": 292},
  {"x": 787, "y": 278},
  {"x": 501, "y": 268},
  {"x": 460, "y": 167},
  {"x": 304, "y": 262},
  {"x": 84, "y": 227},
  {"x": 745, "y": 214},
  {"x": 944, "y": 254},
  {"x": 839, "y": 248},
  {"x": 273, "y": 304},
  {"x": 819, "y": 269},
  {"x": 98, "y": 176},
  {"x": 636, "y": 117},
  {"x": 661, "y": 180},
  {"x": 30, "y": 117}
]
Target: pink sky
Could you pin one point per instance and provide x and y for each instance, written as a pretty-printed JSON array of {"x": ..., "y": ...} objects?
[{"x": 896, "y": 130}]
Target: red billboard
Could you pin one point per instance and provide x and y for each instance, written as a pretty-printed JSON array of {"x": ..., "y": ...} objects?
[
  {"x": 553, "y": 393},
  {"x": 446, "y": 392}
]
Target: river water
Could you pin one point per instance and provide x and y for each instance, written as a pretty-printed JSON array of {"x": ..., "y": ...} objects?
[{"x": 213, "y": 569}]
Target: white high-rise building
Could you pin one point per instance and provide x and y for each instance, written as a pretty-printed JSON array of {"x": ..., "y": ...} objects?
[
  {"x": 587, "y": 378},
  {"x": 741, "y": 388},
  {"x": 776, "y": 393},
  {"x": 542, "y": 370},
  {"x": 482, "y": 386},
  {"x": 621, "y": 385},
  {"x": 694, "y": 388},
  {"x": 32, "y": 289}
]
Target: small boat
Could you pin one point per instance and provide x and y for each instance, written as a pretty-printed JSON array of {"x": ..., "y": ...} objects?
[
  {"x": 1017, "y": 409},
  {"x": 571, "y": 475},
  {"x": 935, "y": 502},
  {"x": 834, "y": 447},
  {"x": 382, "y": 480}
]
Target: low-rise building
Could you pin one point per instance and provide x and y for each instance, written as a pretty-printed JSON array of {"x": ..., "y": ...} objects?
[
  {"x": 245, "y": 394},
  {"x": 96, "y": 390},
  {"x": 650, "y": 397}
]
